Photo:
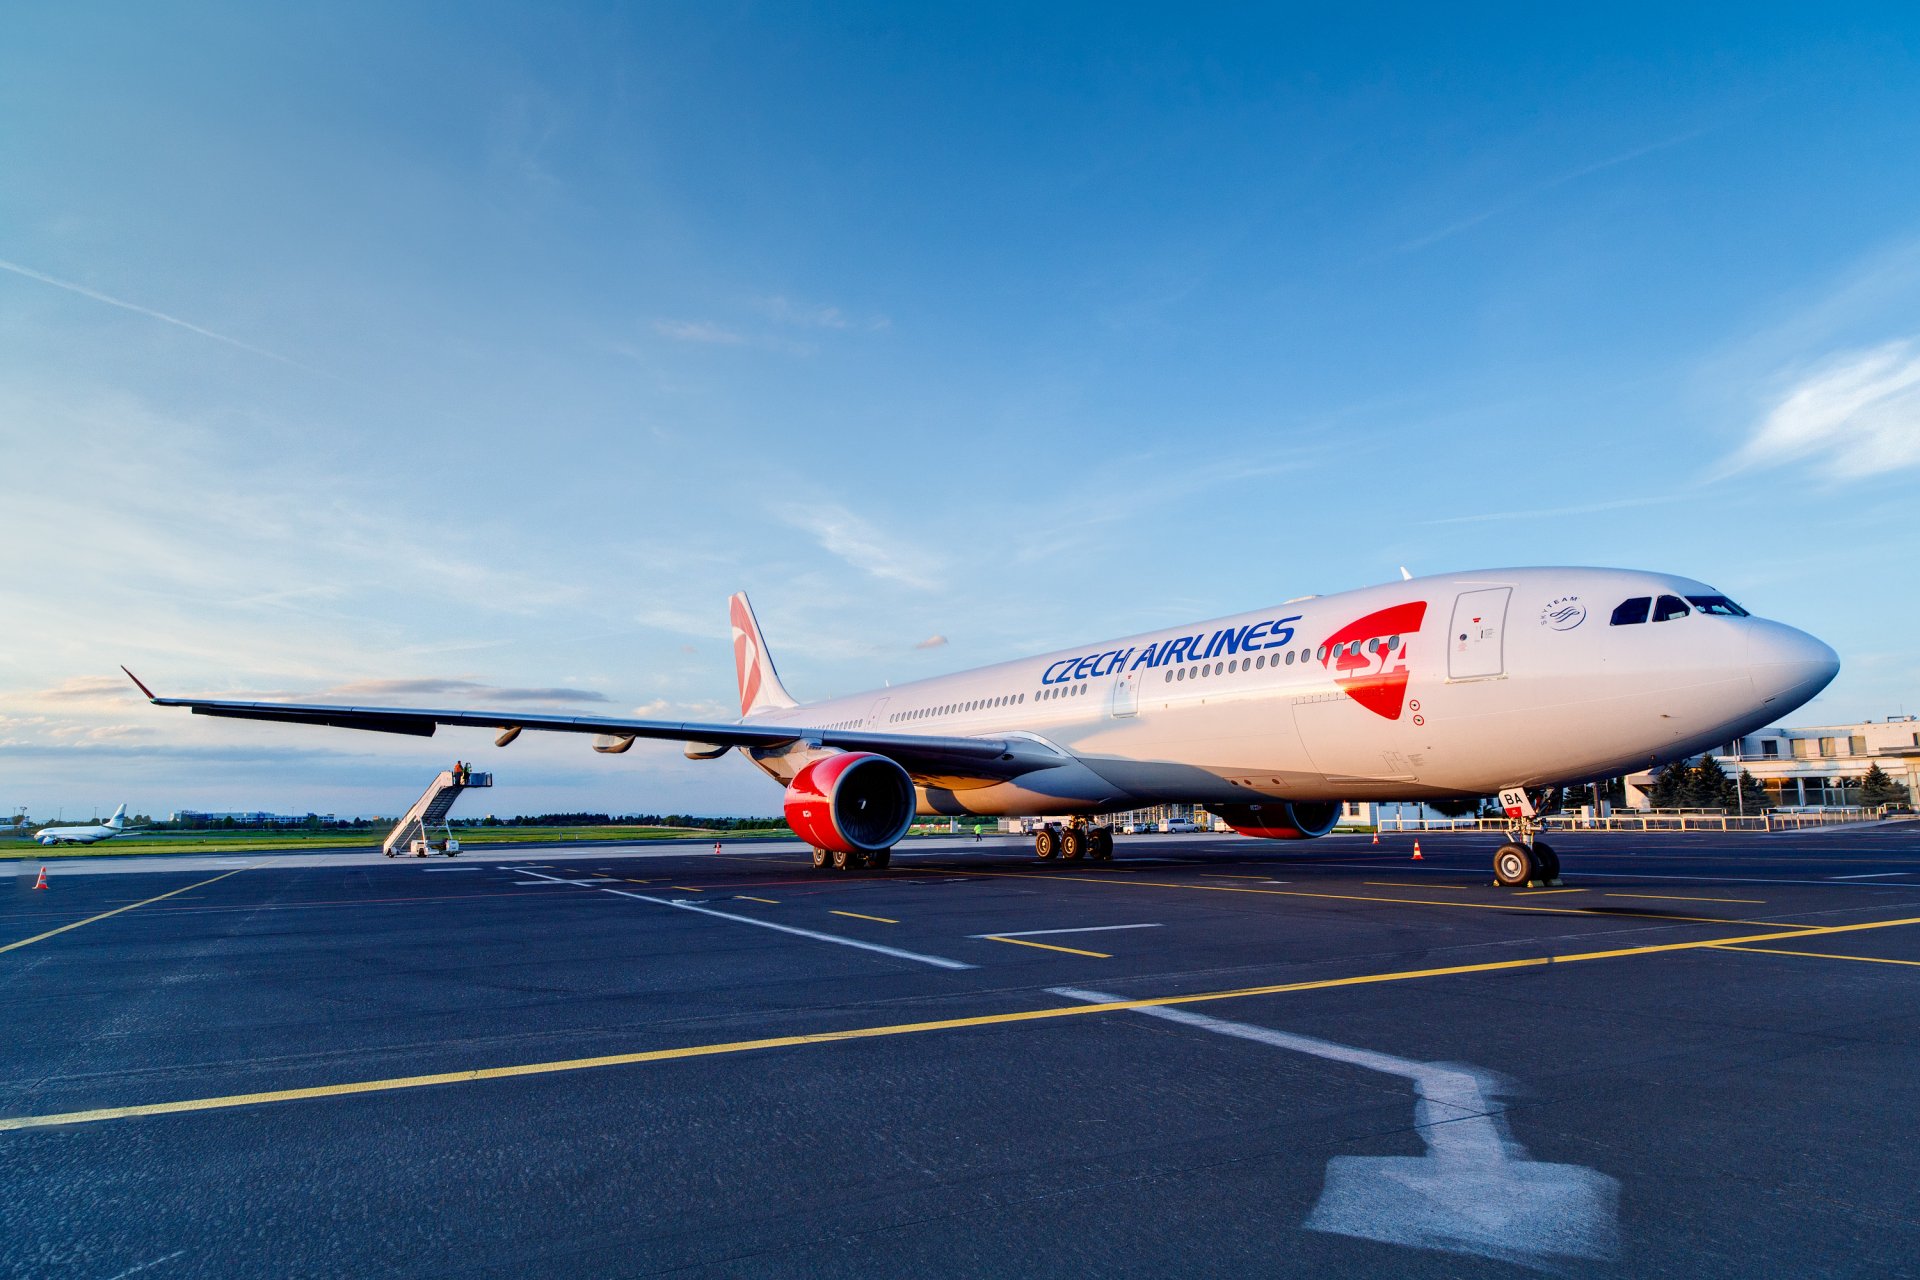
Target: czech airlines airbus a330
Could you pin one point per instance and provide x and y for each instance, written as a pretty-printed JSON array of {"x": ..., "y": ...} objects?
[{"x": 1502, "y": 680}]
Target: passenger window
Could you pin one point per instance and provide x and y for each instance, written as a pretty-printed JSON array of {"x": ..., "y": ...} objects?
[
  {"x": 1182, "y": 675},
  {"x": 1630, "y": 612},
  {"x": 1289, "y": 657},
  {"x": 1718, "y": 606},
  {"x": 1667, "y": 608},
  {"x": 1260, "y": 662}
]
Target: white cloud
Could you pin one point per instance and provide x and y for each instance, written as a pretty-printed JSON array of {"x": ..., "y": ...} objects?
[
  {"x": 698, "y": 331},
  {"x": 809, "y": 316},
  {"x": 1855, "y": 415},
  {"x": 860, "y": 544},
  {"x": 932, "y": 642},
  {"x": 80, "y": 687}
]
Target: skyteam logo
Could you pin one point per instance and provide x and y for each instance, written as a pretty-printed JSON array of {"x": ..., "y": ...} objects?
[
  {"x": 1563, "y": 614},
  {"x": 1368, "y": 657}
]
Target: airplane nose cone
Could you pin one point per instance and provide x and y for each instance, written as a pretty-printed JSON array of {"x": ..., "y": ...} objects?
[{"x": 1787, "y": 666}]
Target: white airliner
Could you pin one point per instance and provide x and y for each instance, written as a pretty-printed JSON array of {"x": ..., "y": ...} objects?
[
  {"x": 114, "y": 826},
  {"x": 1502, "y": 680}
]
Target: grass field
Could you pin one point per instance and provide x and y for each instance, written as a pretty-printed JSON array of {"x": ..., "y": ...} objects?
[{"x": 245, "y": 841}]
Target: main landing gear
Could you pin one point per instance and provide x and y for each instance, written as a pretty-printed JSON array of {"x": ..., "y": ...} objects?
[
  {"x": 1524, "y": 859},
  {"x": 1073, "y": 841},
  {"x": 842, "y": 860}
]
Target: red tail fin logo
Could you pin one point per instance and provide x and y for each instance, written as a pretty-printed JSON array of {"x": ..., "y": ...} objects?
[{"x": 746, "y": 654}]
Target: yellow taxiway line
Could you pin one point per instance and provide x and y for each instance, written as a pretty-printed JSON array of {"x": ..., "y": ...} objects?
[
  {"x": 1046, "y": 946},
  {"x": 855, "y": 915},
  {"x": 476, "y": 1075},
  {"x": 42, "y": 937},
  {"x": 1821, "y": 955},
  {"x": 1668, "y": 897}
]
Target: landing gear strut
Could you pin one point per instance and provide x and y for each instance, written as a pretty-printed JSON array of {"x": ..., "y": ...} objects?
[
  {"x": 1073, "y": 841},
  {"x": 1524, "y": 859}
]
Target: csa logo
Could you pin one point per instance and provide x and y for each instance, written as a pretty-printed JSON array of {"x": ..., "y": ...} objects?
[
  {"x": 1375, "y": 677},
  {"x": 1563, "y": 614}
]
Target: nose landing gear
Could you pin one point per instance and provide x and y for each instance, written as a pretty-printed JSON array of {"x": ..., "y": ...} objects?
[{"x": 1524, "y": 860}]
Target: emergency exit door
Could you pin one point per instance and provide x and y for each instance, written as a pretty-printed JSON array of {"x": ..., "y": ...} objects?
[
  {"x": 1126, "y": 694},
  {"x": 1476, "y": 646}
]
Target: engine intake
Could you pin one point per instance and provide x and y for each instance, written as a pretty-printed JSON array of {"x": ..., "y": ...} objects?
[
  {"x": 1282, "y": 820},
  {"x": 854, "y": 802}
]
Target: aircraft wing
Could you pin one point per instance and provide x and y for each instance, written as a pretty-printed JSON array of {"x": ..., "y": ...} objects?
[{"x": 925, "y": 755}]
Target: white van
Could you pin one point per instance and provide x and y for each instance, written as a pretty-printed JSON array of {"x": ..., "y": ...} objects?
[{"x": 1172, "y": 826}]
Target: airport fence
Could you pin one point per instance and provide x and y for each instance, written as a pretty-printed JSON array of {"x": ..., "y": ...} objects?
[{"x": 1656, "y": 820}]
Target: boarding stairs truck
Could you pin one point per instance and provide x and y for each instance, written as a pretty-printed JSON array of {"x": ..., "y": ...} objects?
[{"x": 413, "y": 833}]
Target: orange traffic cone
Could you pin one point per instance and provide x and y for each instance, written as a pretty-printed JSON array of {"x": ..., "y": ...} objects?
[
  {"x": 1416, "y": 851},
  {"x": 1376, "y": 835},
  {"x": 41, "y": 883},
  {"x": 716, "y": 846}
]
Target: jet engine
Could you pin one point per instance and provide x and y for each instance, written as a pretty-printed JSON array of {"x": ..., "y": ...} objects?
[
  {"x": 854, "y": 802},
  {"x": 1282, "y": 819}
]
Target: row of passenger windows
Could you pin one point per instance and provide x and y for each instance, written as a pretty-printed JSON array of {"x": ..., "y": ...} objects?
[
  {"x": 1666, "y": 608},
  {"x": 1378, "y": 644},
  {"x": 956, "y": 708}
]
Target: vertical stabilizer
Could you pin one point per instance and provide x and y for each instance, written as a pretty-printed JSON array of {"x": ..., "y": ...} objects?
[
  {"x": 760, "y": 686},
  {"x": 119, "y": 818}
]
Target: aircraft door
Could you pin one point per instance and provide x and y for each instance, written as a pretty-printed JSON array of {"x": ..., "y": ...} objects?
[
  {"x": 877, "y": 718},
  {"x": 1476, "y": 646},
  {"x": 1126, "y": 695}
]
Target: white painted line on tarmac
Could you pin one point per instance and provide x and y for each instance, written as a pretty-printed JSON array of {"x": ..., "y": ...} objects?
[
  {"x": 938, "y": 962},
  {"x": 1041, "y": 933},
  {"x": 1474, "y": 1192},
  {"x": 435, "y": 870},
  {"x": 1872, "y": 875}
]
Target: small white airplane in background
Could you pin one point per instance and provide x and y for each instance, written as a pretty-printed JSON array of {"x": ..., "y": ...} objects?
[
  {"x": 114, "y": 826},
  {"x": 1508, "y": 681}
]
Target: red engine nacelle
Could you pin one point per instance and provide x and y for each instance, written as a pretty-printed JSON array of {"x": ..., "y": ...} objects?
[
  {"x": 1283, "y": 819},
  {"x": 855, "y": 802}
]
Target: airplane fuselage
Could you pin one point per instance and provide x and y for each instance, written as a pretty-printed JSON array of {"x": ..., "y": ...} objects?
[
  {"x": 74, "y": 835},
  {"x": 1456, "y": 685}
]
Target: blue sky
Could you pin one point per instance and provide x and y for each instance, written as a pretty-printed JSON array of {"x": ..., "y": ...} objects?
[{"x": 462, "y": 354}]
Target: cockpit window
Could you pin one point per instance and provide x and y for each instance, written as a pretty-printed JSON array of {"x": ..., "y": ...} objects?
[
  {"x": 1717, "y": 606},
  {"x": 1667, "y": 608},
  {"x": 1629, "y": 612}
]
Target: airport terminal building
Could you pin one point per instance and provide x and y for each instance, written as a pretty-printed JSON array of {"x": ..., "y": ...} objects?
[{"x": 1817, "y": 766}]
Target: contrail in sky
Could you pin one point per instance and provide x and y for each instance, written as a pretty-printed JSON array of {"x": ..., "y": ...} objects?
[{"x": 137, "y": 309}]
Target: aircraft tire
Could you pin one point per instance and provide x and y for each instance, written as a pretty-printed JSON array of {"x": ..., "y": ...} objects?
[
  {"x": 819, "y": 859},
  {"x": 1548, "y": 860},
  {"x": 1043, "y": 844},
  {"x": 880, "y": 861},
  {"x": 1513, "y": 865},
  {"x": 1073, "y": 843},
  {"x": 843, "y": 860},
  {"x": 1103, "y": 844}
]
